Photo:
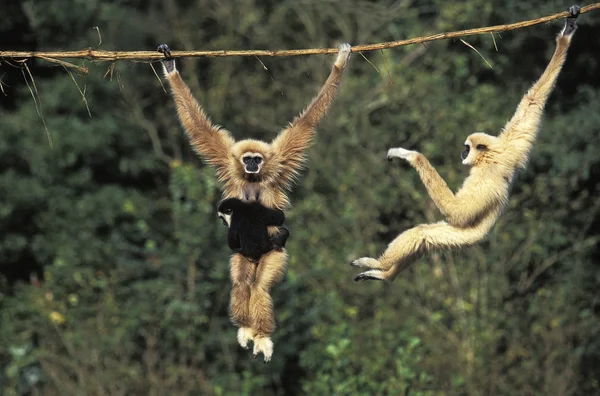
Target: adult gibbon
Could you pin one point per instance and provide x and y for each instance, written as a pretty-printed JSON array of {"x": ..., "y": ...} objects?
[
  {"x": 248, "y": 222},
  {"x": 254, "y": 170},
  {"x": 474, "y": 209}
]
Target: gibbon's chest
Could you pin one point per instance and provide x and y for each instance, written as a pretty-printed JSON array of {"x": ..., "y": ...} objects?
[{"x": 269, "y": 196}]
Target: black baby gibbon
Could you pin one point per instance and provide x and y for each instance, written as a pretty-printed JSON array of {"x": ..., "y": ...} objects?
[{"x": 248, "y": 222}]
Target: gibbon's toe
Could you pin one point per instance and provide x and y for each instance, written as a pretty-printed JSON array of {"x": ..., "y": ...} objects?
[
  {"x": 369, "y": 275},
  {"x": 263, "y": 345},
  {"x": 244, "y": 335},
  {"x": 165, "y": 50}
]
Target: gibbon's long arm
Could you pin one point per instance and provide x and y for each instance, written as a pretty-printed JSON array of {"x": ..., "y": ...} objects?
[
  {"x": 460, "y": 209},
  {"x": 209, "y": 141},
  {"x": 290, "y": 144},
  {"x": 521, "y": 131}
]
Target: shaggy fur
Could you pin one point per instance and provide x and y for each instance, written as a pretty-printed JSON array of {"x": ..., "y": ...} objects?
[
  {"x": 251, "y": 306},
  {"x": 472, "y": 212}
]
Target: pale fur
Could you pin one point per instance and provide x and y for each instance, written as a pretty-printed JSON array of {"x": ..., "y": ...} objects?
[
  {"x": 471, "y": 212},
  {"x": 251, "y": 307}
]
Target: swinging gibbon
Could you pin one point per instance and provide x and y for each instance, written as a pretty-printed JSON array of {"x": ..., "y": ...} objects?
[
  {"x": 248, "y": 222},
  {"x": 253, "y": 170},
  {"x": 472, "y": 212}
]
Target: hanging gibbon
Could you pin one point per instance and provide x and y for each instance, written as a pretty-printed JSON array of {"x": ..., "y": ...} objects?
[
  {"x": 253, "y": 170},
  {"x": 247, "y": 222},
  {"x": 474, "y": 209}
]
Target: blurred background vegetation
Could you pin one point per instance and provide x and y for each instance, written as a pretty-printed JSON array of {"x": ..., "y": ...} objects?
[{"x": 114, "y": 268}]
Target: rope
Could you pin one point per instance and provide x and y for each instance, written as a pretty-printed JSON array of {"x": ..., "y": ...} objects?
[{"x": 101, "y": 55}]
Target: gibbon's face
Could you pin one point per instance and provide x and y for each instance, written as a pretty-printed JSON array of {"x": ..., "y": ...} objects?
[
  {"x": 225, "y": 217},
  {"x": 224, "y": 212},
  {"x": 252, "y": 157},
  {"x": 479, "y": 149},
  {"x": 252, "y": 162}
]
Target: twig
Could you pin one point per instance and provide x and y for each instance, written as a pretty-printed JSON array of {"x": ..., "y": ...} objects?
[
  {"x": 2, "y": 85},
  {"x": 82, "y": 70},
  {"x": 82, "y": 93},
  {"x": 99, "y": 55},
  {"x": 38, "y": 102},
  {"x": 478, "y": 53}
]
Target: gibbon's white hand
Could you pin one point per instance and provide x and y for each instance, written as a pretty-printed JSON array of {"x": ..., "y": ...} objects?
[
  {"x": 399, "y": 152},
  {"x": 343, "y": 55}
]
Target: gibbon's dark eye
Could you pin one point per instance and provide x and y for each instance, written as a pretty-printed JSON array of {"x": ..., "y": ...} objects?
[
  {"x": 465, "y": 152},
  {"x": 481, "y": 147},
  {"x": 246, "y": 159},
  {"x": 258, "y": 160},
  {"x": 228, "y": 211}
]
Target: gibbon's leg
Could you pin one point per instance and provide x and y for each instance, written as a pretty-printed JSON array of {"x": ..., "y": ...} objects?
[
  {"x": 290, "y": 144},
  {"x": 242, "y": 272},
  {"x": 271, "y": 270},
  {"x": 411, "y": 245},
  {"x": 209, "y": 141}
]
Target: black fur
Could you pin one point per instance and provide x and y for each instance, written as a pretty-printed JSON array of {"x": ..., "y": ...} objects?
[
  {"x": 248, "y": 233},
  {"x": 571, "y": 21},
  {"x": 169, "y": 62}
]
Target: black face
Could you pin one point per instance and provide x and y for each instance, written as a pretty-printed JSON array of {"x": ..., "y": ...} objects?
[
  {"x": 252, "y": 163},
  {"x": 465, "y": 152}
]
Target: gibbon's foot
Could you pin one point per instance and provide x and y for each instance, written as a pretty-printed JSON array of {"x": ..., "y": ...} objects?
[
  {"x": 244, "y": 335},
  {"x": 168, "y": 63},
  {"x": 571, "y": 21},
  {"x": 399, "y": 152},
  {"x": 343, "y": 55},
  {"x": 263, "y": 345},
  {"x": 366, "y": 262},
  {"x": 370, "y": 275}
]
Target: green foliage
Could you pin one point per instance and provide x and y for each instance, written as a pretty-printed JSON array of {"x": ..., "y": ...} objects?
[{"x": 113, "y": 267}]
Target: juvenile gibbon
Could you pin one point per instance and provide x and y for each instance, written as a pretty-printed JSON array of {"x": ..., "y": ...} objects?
[
  {"x": 253, "y": 170},
  {"x": 472, "y": 212},
  {"x": 248, "y": 222}
]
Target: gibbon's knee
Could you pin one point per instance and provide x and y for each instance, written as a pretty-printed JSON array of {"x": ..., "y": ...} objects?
[
  {"x": 271, "y": 269},
  {"x": 242, "y": 274},
  {"x": 241, "y": 270},
  {"x": 239, "y": 305},
  {"x": 410, "y": 242}
]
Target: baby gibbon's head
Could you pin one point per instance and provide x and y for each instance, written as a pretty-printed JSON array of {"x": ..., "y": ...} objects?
[
  {"x": 251, "y": 158},
  {"x": 227, "y": 208},
  {"x": 480, "y": 149}
]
